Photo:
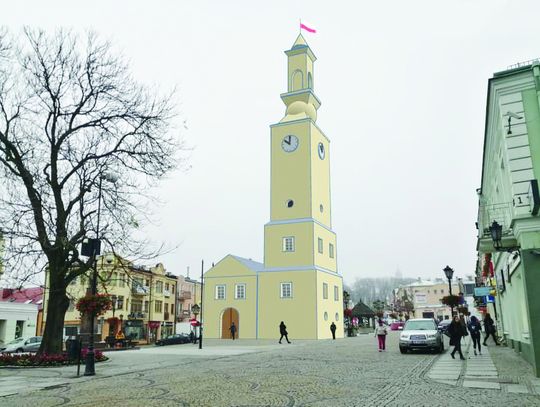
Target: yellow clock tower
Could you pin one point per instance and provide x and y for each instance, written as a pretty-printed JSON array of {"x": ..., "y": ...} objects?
[{"x": 298, "y": 282}]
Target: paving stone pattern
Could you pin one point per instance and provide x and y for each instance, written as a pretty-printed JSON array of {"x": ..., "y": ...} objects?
[{"x": 348, "y": 372}]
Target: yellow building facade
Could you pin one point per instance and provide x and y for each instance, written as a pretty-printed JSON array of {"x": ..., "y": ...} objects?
[
  {"x": 298, "y": 282},
  {"x": 144, "y": 300}
]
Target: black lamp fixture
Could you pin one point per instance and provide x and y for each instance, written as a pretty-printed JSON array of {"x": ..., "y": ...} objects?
[
  {"x": 449, "y": 273},
  {"x": 496, "y": 235}
]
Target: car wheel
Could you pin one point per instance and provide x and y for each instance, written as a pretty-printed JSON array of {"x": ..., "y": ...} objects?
[
  {"x": 402, "y": 349},
  {"x": 20, "y": 350}
]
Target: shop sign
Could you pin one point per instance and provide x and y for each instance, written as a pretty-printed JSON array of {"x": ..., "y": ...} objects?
[{"x": 481, "y": 291}]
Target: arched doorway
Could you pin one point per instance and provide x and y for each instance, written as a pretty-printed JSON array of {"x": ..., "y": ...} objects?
[{"x": 229, "y": 316}]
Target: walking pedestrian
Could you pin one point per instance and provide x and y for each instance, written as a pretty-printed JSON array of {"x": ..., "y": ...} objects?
[
  {"x": 283, "y": 332},
  {"x": 333, "y": 330},
  {"x": 455, "y": 331},
  {"x": 489, "y": 328},
  {"x": 233, "y": 330},
  {"x": 463, "y": 325},
  {"x": 380, "y": 333},
  {"x": 475, "y": 328}
]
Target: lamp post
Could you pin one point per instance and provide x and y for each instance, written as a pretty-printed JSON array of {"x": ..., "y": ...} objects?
[
  {"x": 202, "y": 292},
  {"x": 449, "y": 272},
  {"x": 89, "y": 368},
  {"x": 195, "y": 310}
]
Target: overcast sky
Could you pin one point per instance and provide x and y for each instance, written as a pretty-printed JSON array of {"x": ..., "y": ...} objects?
[{"x": 403, "y": 90}]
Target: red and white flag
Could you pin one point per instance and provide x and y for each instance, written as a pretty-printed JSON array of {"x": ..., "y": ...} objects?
[{"x": 308, "y": 27}]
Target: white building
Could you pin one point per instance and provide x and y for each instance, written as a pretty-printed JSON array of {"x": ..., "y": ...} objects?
[{"x": 17, "y": 320}]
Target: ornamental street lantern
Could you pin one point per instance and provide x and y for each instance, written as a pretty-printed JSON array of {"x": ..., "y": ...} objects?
[
  {"x": 449, "y": 272},
  {"x": 195, "y": 309},
  {"x": 496, "y": 234}
]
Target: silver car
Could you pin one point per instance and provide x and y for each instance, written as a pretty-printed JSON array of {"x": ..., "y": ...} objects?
[
  {"x": 22, "y": 345},
  {"x": 420, "y": 334}
]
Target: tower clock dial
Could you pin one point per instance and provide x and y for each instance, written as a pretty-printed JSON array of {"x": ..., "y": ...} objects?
[
  {"x": 289, "y": 143},
  {"x": 321, "y": 151}
]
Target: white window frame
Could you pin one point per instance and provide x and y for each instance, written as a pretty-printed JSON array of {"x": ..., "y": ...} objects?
[
  {"x": 336, "y": 293},
  {"x": 320, "y": 245},
  {"x": 288, "y": 244},
  {"x": 236, "y": 287},
  {"x": 325, "y": 291},
  {"x": 218, "y": 286},
  {"x": 331, "y": 250},
  {"x": 281, "y": 291}
]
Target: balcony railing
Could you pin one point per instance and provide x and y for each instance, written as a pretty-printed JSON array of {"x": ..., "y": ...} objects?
[
  {"x": 166, "y": 293},
  {"x": 137, "y": 289},
  {"x": 185, "y": 295},
  {"x": 136, "y": 315}
]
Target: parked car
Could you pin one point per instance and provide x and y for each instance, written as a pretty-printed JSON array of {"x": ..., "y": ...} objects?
[
  {"x": 397, "y": 326},
  {"x": 420, "y": 333},
  {"x": 443, "y": 325},
  {"x": 22, "y": 345},
  {"x": 173, "y": 340}
]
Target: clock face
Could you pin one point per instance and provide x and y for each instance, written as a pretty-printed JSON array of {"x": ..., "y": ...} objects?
[
  {"x": 321, "y": 151},
  {"x": 289, "y": 143}
]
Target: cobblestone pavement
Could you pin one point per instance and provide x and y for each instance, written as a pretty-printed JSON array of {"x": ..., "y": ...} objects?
[{"x": 348, "y": 372}]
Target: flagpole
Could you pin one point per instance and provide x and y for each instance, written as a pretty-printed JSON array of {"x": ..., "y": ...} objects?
[{"x": 300, "y": 26}]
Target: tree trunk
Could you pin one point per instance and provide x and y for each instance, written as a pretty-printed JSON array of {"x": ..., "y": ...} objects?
[{"x": 57, "y": 306}]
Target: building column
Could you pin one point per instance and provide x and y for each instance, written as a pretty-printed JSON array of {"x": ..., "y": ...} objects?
[{"x": 531, "y": 283}]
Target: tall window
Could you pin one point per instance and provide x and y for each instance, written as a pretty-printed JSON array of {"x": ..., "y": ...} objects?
[
  {"x": 172, "y": 309},
  {"x": 114, "y": 279},
  {"x": 159, "y": 287},
  {"x": 122, "y": 281},
  {"x": 320, "y": 245},
  {"x": 331, "y": 250},
  {"x": 166, "y": 307},
  {"x": 286, "y": 290},
  {"x": 136, "y": 305},
  {"x": 158, "y": 306},
  {"x": 120, "y": 302},
  {"x": 146, "y": 306},
  {"x": 220, "y": 292},
  {"x": 167, "y": 286},
  {"x": 336, "y": 293},
  {"x": 325, "y": 291},
  {"x": 240, "y": 292},
  {"x": 172, "y": 289},
  {"x": 288, "y": 244}
]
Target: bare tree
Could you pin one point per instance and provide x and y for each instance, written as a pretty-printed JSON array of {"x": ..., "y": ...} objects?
[{"x": 69, "y": 113}]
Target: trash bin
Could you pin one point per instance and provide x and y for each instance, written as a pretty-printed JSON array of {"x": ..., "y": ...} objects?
[{"x": 73, "y": 348}]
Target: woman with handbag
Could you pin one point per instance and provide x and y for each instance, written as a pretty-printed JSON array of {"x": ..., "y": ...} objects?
[
  {"x": 455, "y": 331},
  {"x": 489, "y": 327}
]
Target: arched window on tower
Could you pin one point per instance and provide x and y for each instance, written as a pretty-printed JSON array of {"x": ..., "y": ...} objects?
[
  {"x": 297, "y": 80},
  {"x": 309, "y": 81}
]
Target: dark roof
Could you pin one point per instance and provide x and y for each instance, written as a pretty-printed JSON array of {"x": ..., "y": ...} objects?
[{"x": 362, "y": 310}]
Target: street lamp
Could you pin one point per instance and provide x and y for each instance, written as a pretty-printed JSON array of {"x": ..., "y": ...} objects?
[
  {"x": 95, "y": 246},
  {"x": 449, "y": 272},
  {"x": 496, "y": 234},
  {"x": 195, "y": 309}
]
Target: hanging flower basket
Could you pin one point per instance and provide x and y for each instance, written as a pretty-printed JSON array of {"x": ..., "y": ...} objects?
[
  {"x": 97, "y": 304},
  {"x": 450, "y": 300}
]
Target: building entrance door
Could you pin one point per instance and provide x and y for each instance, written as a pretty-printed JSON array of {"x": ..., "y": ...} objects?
[{"x": 229, "y": 316}]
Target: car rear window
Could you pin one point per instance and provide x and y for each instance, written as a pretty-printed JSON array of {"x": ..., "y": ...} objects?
[{"x": 419, "y": 326}]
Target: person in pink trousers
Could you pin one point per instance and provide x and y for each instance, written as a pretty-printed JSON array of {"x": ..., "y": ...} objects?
[{"x": 380, "y": 333}]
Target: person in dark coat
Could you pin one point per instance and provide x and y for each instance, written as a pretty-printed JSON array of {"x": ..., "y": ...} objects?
[
  {"x": 233, "y": 330},
  {"x": 333, "y": 329},
  {"x": 283, "y": 332},
  {"x": 455, "y": 331},
  {"x": 475, "y": 328},
  {"x": 489, "y": 328}
]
